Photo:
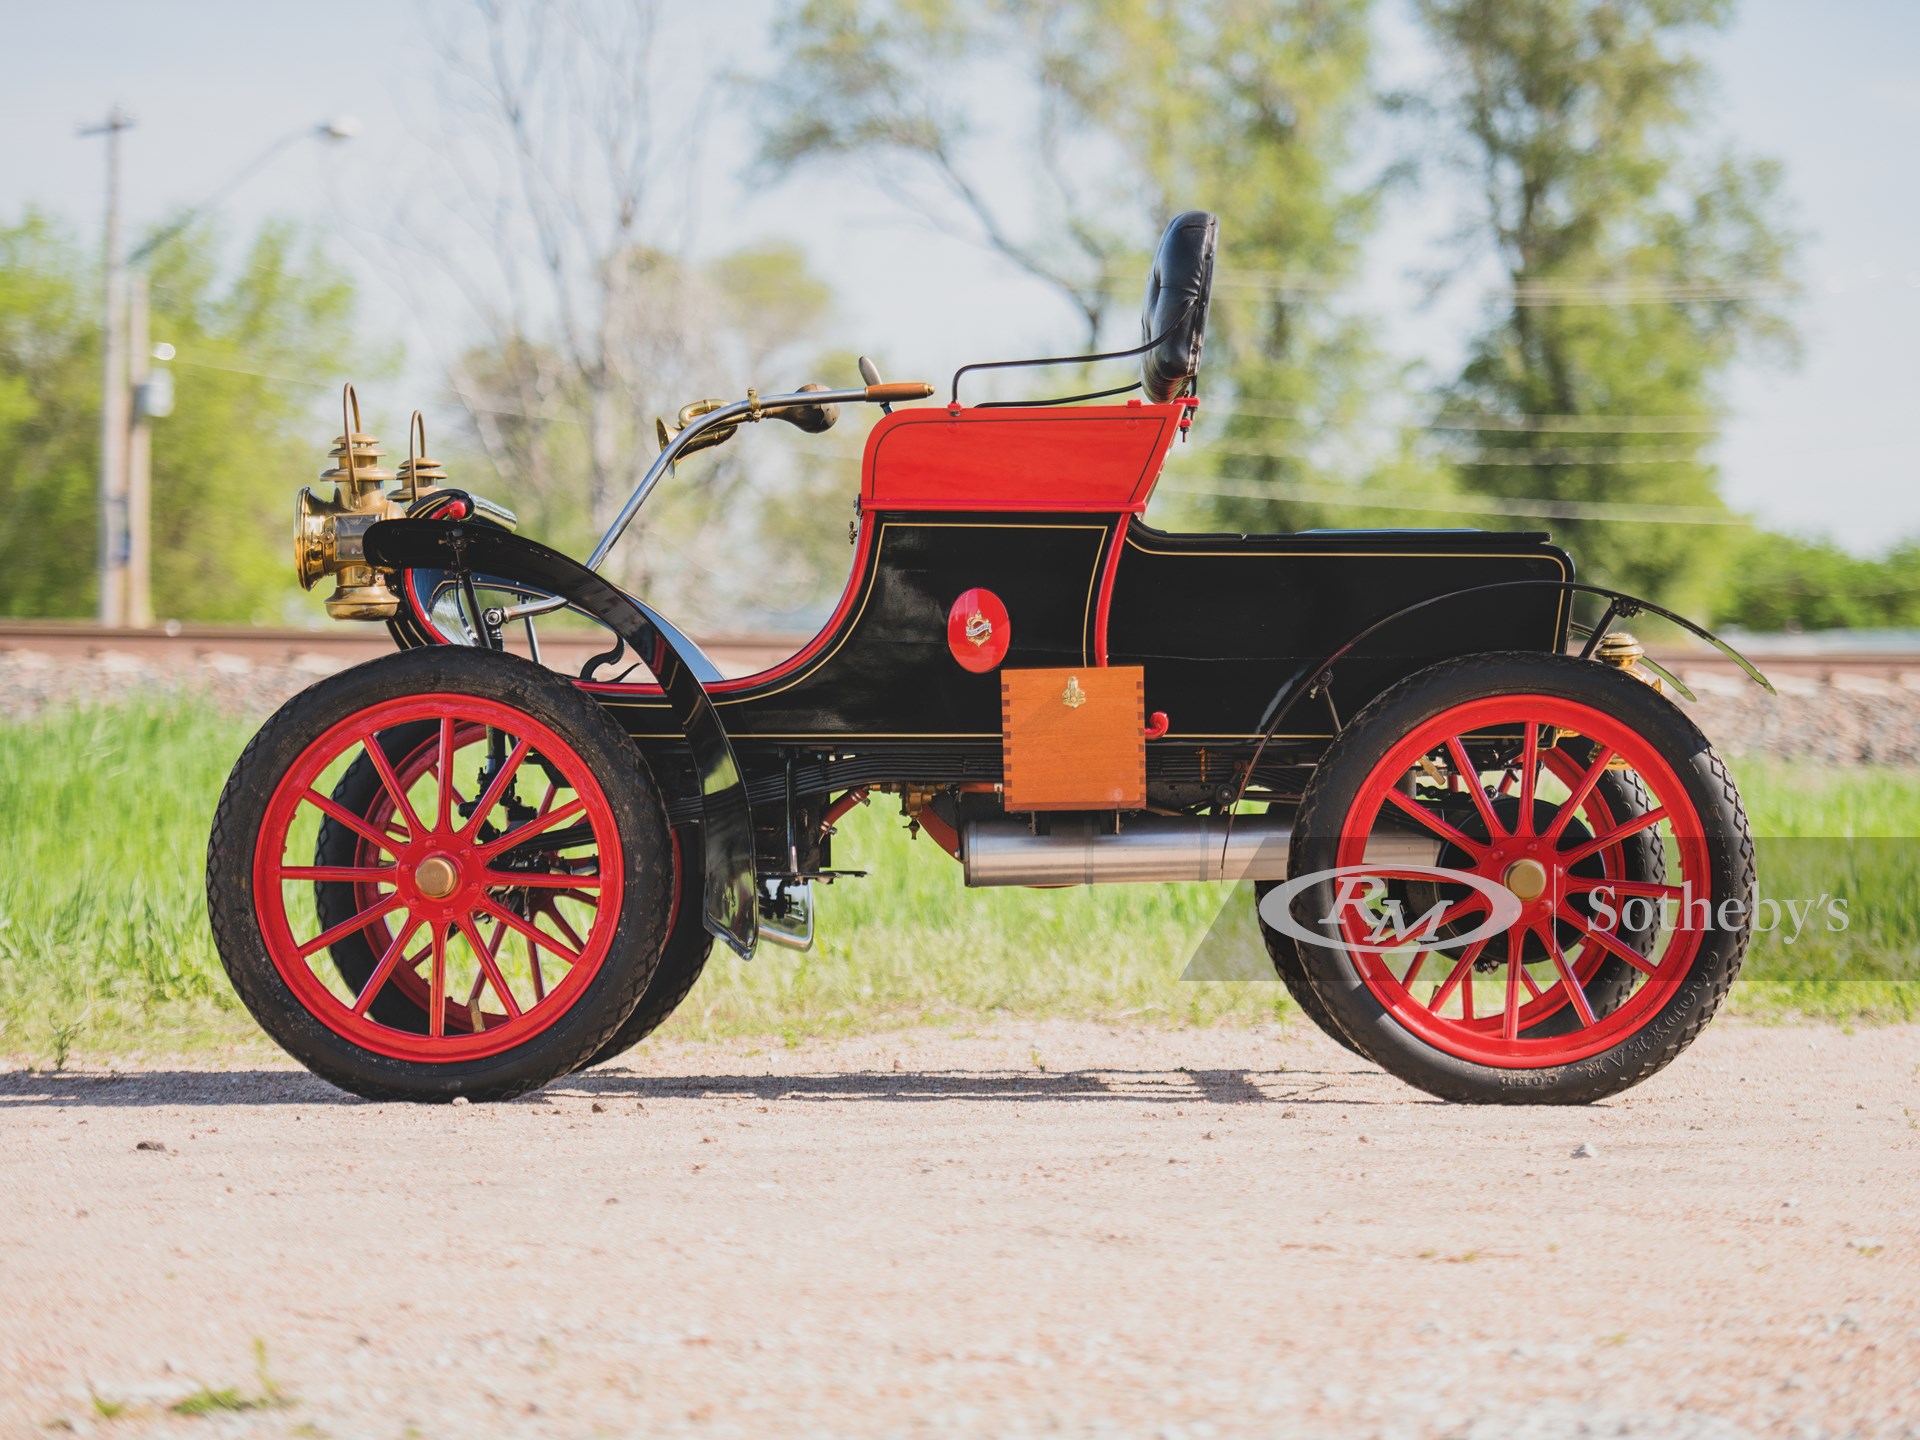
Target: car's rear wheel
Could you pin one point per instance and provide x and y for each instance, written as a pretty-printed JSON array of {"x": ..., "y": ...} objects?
[
  {"x": 1519, "y": 878},
  {"x": 505, "y": 889},
  {"x": 1638, "y": 857}
]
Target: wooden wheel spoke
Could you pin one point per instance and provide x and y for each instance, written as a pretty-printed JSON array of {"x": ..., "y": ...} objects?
[
  {"x": 1575, "y": 991},
  {"x": 538, "y": 880},
  {"x": 377, "y": 753},
  {"x": 552, "y": 912},
  {"x": 491, "y": 966},
  {"x": 1434, "y": 823},
  {"x": 1529, "y": 775},
  {"x": 1622, "y": 831},
  {"x": 346, "y": 927},
  {"x": 327, "y": 805},
  {"x": 1510, "y": 1020},
  {"x": 437, "y": 986},
  {"x": 1648, "y": 888},
  {"x": 572, "y": 957},
  {"x": 496, "y": 789},
  {"x": 520, "y": 834},
  {"x": 1608, "y": 942},
  {"x": 533, "y": 964},
  {"x": 443, "y": 767},
  {"x": 384, "y": 970},
  {"x": 350, "y": 874},
  {"x": 1462, "y": 970},
  {"x": 1578, "y": 795},
  {"x": 1470, "y": 777}
]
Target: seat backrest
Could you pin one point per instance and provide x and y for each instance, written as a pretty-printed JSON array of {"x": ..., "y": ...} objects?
[{"x": 1175, "y": 312}]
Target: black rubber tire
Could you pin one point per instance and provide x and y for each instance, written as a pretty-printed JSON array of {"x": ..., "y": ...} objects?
[
  {"x": 639, "y": 929},
  {"x": 1352, "y": 1006},
  {"x": 689, "y": 943},
  {"x": 1645, "y": 859},
  {"x": 1292, "y": 971}
]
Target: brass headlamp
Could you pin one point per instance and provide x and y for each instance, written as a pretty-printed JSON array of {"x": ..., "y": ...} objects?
[{"x": 329, "y": 535}]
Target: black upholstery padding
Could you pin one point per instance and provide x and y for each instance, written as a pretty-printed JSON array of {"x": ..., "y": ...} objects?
[{"x": 1178, "y": 289}]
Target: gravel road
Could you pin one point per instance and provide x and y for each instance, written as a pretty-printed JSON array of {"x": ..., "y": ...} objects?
[{"x": 1036, "y": 1230}]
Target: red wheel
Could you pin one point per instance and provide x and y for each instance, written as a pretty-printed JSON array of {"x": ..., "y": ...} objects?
[
  {"x": 502, "y": 900},
  {"x": 1502, "y": 916},
  {"x": 1639, "y": 856}
]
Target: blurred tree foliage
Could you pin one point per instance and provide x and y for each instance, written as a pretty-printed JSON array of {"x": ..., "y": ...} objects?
[
  {"x": 1783, "y": 582},
  {"x": 49, "y": 408},
  {"x": 1637, "y": 275},
  {"x": 1128, "y": 111},
  {"x": 688, "y": 330},
  {"x": 225, "y": 463}
]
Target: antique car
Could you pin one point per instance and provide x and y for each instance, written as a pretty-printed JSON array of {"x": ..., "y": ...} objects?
[{"x": 1490, "y": 854}]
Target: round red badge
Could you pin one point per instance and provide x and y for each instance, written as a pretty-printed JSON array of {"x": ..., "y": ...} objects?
[{"x": 978, "y": 630}]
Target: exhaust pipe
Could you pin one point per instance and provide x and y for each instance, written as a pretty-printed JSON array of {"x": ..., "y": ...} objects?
[
  {"x": 1154, "y": 848},
  {"x": 1148, "y": 847}
]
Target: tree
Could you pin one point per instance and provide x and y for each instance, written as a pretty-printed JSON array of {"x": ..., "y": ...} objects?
[
  {"x": 226, "y": 463},
  {"x": 1783, "y": 582},
  {"x": 1129, "y": 112},
  {"x": 567, "y": 162},
  {"x": 49, "y": 432},
  {"x": 1638, "y": 273}
]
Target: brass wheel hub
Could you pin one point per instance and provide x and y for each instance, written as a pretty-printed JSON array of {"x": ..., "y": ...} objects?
[
  {"x": 437, "y": 877},
  {"x": 1526, "y": 879}
]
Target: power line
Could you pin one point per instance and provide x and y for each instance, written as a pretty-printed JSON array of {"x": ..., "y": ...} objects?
[
  {"x": 1587, "y": 455},
  {"x": 1547, "y": 424},
  {"x": 1531, "y": 508}
]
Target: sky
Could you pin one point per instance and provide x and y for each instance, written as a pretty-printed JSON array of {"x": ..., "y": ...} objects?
[{"x": 1832, "y": 90}]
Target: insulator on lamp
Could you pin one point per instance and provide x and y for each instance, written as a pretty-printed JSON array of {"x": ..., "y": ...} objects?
[
  {"x": 357, "y": 475},
  {"x": 418, "y": 474}
]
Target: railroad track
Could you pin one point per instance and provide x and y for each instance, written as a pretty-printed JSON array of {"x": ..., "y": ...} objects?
[
  {"x": 735, "y": 653},
  {"x": 332, "y": 648}
]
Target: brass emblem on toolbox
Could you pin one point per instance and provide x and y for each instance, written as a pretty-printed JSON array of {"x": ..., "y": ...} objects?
[
  {"x": 1073, "y": 697},
  {"x": 979, "y": 628}
]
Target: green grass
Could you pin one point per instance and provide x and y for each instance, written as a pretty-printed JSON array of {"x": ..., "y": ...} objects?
[{"x": 104, "y": 946}]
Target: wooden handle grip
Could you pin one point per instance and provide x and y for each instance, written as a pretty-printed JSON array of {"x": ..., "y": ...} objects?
[{"x": 899, "y": 390}]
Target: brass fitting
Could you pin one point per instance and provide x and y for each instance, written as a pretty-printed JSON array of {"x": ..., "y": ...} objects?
[
  {"x": 688, "y": 414},
  {"x": 1623, "y": 650},
  {"x": 329, "y": 535},
  {"x": 1620, "y": 649}
]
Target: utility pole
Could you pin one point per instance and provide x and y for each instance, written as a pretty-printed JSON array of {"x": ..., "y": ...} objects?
[
  {"x": 113, "y": 391},
  {"x": 140, "y": 387}
]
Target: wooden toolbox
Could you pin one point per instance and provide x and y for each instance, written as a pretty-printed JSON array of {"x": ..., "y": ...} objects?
[{"x": 1074, "y": 739}]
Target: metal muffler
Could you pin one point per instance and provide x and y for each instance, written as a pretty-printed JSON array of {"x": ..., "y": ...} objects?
[
  {"x": 1153, "y": 848},
  {"x": 1147, "y": 847}
]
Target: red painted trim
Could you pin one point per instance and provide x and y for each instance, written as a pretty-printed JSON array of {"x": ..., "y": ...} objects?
[
  {"x": 679, "y": 875},
  {"x": 1117, "y": 544},
  {"x": 938, "y": 831},
  {"x": 863, "y": 545},
  {"x": 1096, "y": 459}
]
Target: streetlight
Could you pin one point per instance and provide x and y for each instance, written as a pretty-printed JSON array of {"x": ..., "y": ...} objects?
[{"x": 132, "y": 392}]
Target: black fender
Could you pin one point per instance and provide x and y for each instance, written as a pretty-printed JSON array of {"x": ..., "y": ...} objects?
[
  {"x": 726, "y": 820},
  {"x": 1311, "y": 680}
]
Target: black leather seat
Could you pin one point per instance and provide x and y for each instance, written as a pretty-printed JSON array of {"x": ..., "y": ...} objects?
[{"x": 1178, "y": 290}]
